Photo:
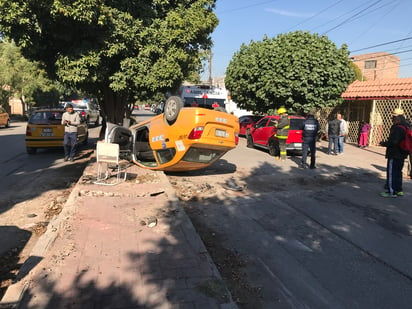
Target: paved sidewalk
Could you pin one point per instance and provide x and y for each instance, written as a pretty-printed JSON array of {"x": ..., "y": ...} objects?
[{"x": 125, "y": 246}]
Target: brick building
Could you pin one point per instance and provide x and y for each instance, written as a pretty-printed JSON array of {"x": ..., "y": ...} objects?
[{"x": 377, "y": 66}]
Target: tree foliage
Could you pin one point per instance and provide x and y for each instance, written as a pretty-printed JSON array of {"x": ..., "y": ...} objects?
[
  {"x": 22, "y": 78},
  {"x": 120, "y": 51},
  {"x": 298, "y": 70},
  {"x": 358, "y": 72}
]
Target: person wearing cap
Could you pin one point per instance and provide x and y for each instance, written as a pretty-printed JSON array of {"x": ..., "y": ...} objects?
[
  {"x": 70, "y": 120},
  {"x": 395, "y": 156},
  {"x": 282, "y": 131}
]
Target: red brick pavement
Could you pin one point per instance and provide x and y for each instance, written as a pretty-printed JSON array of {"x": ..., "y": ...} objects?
[{"x": 101, "y": 253}]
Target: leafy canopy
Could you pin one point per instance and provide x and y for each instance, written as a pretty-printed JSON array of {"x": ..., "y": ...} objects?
[
  {"x": 297, "y": 70},
  {"x": 22, "y": 78},
  {"x": 119, "y": 50}
]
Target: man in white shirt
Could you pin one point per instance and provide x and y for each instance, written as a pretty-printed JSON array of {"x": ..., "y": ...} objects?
[
  {"x": 70, "y": 120},
  {"x": 342, "y": 133}
]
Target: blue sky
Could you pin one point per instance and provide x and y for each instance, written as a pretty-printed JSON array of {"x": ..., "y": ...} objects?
[{"x": 360, "y": 24}]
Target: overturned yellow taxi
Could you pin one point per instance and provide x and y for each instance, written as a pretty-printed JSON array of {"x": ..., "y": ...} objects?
[{"x": 180, "y": 139}]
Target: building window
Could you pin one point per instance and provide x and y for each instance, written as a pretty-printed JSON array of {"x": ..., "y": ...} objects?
[{"x": 370, "y": 64}]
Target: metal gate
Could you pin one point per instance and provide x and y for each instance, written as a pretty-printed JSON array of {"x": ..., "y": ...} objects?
[
  {"x": 377, "y": 112},
  {"x": 381, "y": 117}
]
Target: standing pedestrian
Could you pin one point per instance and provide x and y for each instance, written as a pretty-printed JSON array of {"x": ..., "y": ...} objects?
[
  {"x": 309, "y": 136},
  {"x": 333, "y": 130},
  {"x": 282, "y": 131},
  {"x": 364, "y": 134},
  {"x": 70, "y": 120},
  {"x": 343, "y": 131},
  {"x": 395, "y": 155}
]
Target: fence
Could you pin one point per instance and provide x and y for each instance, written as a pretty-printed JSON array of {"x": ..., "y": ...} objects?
[{"x": 377, "y": 112}]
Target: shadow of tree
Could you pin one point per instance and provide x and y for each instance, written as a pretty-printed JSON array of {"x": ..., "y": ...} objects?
[{"x": 307, "y": 232}]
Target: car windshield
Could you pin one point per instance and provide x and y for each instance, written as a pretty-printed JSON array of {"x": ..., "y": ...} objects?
[
  {"x": 46, "y": 117},
  {"x": 79, "y": 106},
  {"x": 296, "y": 124},
  {"x": 205, "y": 103}
]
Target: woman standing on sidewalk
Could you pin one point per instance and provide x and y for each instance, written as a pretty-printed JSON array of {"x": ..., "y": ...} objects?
[{"x": 364, "y": 134}]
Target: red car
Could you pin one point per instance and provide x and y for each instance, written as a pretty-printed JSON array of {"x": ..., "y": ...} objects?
[
  {"x": 247, "y": 121},
  {"x": 262, "y": 134}
]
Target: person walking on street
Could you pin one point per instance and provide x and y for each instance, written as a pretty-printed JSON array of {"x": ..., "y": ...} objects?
[
  {"x": 333, "y": 130},
  {"x": 70, "y": 120},
  {"x": 343, "y": 131},
  {"x": 282, "y": 131},
  {"x": 364, "y": 134},
  {"x": 309, "y": 136},
  {"x": 395, "y": 156}
]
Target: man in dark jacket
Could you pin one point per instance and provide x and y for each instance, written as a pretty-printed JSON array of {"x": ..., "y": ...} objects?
[
  {"x": 282, "y": 131},
  {"x": 309, "y": 135},
  {"x": 333, "y": 130},
  {"x": 395, "y": 156}
]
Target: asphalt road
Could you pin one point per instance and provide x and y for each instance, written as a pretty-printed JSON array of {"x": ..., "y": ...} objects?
[
  {"x": 307, "y": 238},
  {"x": 319, "y": 238},
  {"x": 33, "y": 188}
]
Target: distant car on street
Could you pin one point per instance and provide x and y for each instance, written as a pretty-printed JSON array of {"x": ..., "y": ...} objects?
[
  {"x": 246, "y": 122},
  {"x": 179, "y": 139},
  {"x": 262, "y": 134},
  {"x": 88, "y": 109}
]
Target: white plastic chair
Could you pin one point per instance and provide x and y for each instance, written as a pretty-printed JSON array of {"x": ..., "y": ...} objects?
[{"x": 108, "y": 157}]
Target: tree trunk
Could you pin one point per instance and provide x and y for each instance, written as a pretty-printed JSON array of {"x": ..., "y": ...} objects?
[
  {"x": 114, "y": 106},
  {"x": 112, "y": 109}
]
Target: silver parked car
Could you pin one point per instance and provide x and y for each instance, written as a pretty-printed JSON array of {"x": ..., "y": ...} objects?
[{"x": 87, "y": 108}]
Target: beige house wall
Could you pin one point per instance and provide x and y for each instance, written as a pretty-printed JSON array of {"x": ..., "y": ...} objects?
[
  {"x": 16, "y": 107},
  {"x": 387, "y": 66}
]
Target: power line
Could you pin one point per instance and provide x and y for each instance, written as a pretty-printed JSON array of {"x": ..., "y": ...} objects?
[
  {"x": 247, "y": 6},
  {"x": 315, "y": 15},
  {"x": 382, "y": 44},
  {"x": 340, "y": 16},
  {"x": 378, "y": 20},
  {"x": 374, "y": 57},
  {"x": 351, "y": 17}
]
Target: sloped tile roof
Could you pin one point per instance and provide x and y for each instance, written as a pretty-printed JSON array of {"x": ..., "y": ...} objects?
[{"x": 397, "y": 88}]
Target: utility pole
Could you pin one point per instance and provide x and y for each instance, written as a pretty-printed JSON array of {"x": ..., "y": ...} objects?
[{"x": 210, "y": 69}]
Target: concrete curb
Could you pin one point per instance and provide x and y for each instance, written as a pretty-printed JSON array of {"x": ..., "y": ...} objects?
[
  {"x": 15, "y": 292},
  {"x": 31, "y": 267}
]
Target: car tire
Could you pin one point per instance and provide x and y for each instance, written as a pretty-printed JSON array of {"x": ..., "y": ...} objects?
[
  {"x": 31, "y": 150},
  {"x": 7, "y": 124},
  {"x": 249, "y": 141},
  {"x": 172, "y": 108},
  {"x": 273, "y": 147}
]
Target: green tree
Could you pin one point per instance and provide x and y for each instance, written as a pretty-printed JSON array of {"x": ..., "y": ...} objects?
[
  {"x": 357, "y": 71},
  {"x": 297, "y": 70},
  {"x": 120, "y": 51},
  {"x": 22, "y": 78}
]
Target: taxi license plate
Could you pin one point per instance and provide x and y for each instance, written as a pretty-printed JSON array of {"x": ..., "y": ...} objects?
[
  {"x": 47, "y": 132},
  {"x": 221, "y": 133}
]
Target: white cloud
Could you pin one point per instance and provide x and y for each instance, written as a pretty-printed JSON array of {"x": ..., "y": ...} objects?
[{"x": 288, "y": 13}]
